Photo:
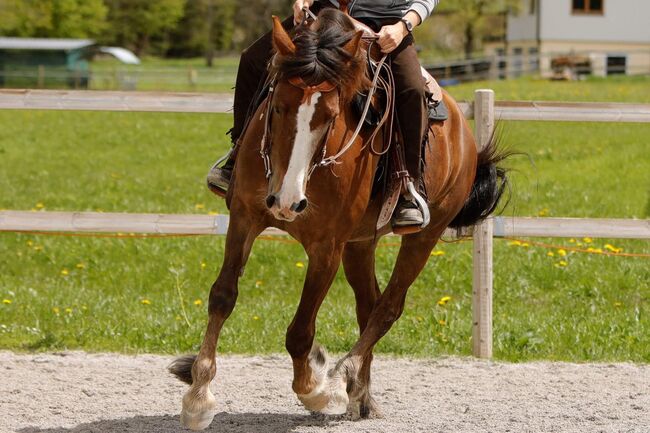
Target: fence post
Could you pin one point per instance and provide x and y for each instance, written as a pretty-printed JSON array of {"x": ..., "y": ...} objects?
[{"x": 482, "y": 248}]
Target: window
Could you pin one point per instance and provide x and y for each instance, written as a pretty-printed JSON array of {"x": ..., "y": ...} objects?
[
  {"x": 588, "y": 6},
  {"x": 533, "y": 59},
  {"x": 616, "y": 64}
]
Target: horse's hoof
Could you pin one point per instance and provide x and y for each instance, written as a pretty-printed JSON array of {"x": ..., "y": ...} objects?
[
  {"x": 199, "y": 413},
  {"x": 368, "y": 409}
]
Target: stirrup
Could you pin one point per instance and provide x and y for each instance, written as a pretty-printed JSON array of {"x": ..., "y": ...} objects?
[
  {"x": 217, "y": 182},
  {"x": 420, "y": 202}
]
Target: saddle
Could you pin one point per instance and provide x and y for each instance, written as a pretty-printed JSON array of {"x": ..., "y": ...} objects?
[{"x": 392, "y": 178}]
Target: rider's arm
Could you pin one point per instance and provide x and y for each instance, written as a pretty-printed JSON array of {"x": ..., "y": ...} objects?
[
  {"x": 391, "y": 36},
  {"x": 423, "y": 8}
]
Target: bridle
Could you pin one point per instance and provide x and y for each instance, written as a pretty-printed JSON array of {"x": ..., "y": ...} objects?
[{"x": 326, "y": 87}]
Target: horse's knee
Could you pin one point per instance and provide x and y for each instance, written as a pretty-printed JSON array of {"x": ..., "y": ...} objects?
[{"x": 222, "y": 298}]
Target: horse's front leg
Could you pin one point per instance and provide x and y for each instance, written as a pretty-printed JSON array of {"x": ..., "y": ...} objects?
[
  {"x": 199, "y": 404},
  {"x": 310, "y": 364}
]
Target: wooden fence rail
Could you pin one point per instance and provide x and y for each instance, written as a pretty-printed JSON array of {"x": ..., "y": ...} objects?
[
  {"x": 84, "y": 100},
  {"x": 484, "y": 109},
  {"x": 195, "y": 224}
]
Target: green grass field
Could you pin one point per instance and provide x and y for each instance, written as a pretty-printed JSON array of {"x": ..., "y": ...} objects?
[{"x": 149, "y": 295}]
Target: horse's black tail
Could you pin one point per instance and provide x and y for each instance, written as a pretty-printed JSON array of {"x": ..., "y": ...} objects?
[{"x": 489, "y": 184}]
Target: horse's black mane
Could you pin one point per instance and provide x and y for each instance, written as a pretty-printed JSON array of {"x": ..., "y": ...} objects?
[{"x": 320, "y": 54}]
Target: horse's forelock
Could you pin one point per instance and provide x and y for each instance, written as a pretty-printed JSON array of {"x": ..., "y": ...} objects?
[{"x": 320, "y": 54}]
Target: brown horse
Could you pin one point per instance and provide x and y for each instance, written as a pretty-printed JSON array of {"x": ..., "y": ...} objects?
[{"x": 332, "y": 212}]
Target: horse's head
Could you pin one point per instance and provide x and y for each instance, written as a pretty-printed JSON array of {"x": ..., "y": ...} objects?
[{"x": 317, "y": 73}]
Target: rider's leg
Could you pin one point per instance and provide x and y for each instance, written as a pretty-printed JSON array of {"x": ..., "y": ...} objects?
[{"x": 412, "y": 117}]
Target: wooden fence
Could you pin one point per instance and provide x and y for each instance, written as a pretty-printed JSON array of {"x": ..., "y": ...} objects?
[{"x": 484, "y": 110}]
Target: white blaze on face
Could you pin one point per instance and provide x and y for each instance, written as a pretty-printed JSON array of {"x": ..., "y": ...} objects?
[{"x": 293, "y": 184}]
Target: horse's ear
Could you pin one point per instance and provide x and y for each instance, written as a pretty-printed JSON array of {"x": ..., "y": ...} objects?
[
  {"x": 352, "y": 47},
  {"x": 281, "y": 40}
]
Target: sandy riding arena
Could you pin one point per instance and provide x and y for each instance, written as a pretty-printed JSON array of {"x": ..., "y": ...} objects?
[{"x": 78, "y": 392}]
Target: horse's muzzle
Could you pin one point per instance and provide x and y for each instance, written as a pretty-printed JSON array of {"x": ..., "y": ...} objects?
[{"x": 273, "y": 204}]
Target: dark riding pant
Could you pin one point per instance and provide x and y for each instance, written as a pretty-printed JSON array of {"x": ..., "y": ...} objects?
[{"x": 409, "y": 90}]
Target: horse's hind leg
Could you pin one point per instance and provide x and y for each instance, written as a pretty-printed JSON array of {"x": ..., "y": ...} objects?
[
  {"x": 310, "y": 364},
  {"x": 199, "y": 404},
  {"x": 412, "y": 257},
  {"x": 359, "y": 266}
]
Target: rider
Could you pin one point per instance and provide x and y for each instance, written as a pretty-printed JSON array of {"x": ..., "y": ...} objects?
[{"x": 394, "y": 21}]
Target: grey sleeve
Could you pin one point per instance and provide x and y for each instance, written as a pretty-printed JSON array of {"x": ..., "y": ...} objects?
[{"x": 423, "y": 8}]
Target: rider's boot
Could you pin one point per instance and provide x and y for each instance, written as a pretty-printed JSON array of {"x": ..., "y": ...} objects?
[
  {"x": 407, "y": 213},
  {"x": 219, "y": 177}
]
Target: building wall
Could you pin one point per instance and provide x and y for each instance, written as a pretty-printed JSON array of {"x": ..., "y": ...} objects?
[
  {"x": 622, "y": 29},
  {"x": 637, "y": 54},
  {"x": 621, "y": 21},
  {"x": 523, "y": 26}
]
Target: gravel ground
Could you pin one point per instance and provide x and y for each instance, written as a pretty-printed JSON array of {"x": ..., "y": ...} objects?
[{"x": 79, "y": 392}]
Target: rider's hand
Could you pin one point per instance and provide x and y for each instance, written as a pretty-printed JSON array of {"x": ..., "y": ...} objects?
[
  {"x": 297, "y": 9},
  {"x": 391, "y": 36}
]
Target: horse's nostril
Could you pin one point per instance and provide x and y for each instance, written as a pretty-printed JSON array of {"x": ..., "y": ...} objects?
[
  {"x": 300, "y": 206},
  {"x": 270, "y": 201}
]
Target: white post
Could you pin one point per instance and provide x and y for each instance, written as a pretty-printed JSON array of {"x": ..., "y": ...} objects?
[{"x": 482, "y": 255}]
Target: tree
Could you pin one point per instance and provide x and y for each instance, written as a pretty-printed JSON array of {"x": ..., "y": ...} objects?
[
  {"x": 212, "y": 26},
  {"x": 138, "y": 23},
  {"x": 52, "y": 18},
  {"x": 471, "y": 16}
]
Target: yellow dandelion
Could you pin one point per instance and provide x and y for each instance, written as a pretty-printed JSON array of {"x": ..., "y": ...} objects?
[
  {"x": 258, "y": 284},
  {"x": 65, "y": 272},
  {"x": 525, "y": 244},
  {"x": 199, "y": 206},
  {"x": 598, "y": 250},
  {"x": 618, "y": 304},
  {"x": 6, "y": 301},
  {"x": 38, "y": 248},
  {"x": 178, "y": 318},
  {"x": 56, "y": 310},
  {"x": 29, "y": 243},
  {"x": 442, "y": 322},
  {"x": 419, "y": 318},
  {"x": 561, "y": 264},
  {"x": 212, "y": 213},
  {"x": 145, "y": 302},
  {"x": 587, "y": 240},
  {"x": 543, "y": 212},
  {"x": 203, "y": 265},
  {"x": 68, "y": 310},
  {"x": 80, "y": 266},
  {"x": 550, "y": 254},
  {"x": 561, "y": 253},
  {"x": 437, "y": 253},
  {"x": 514, "y": 243},
  {"x": 83, "y": 307},
  {"x": 572, "y": 241},
  {"x": 613, "y": 249},
  {"x": 300, "y": 265},
  {"x": 39, "y": 206},
  {"x": 444, "y": 300},
  {"x": 256, "y": 318},
  {"x": 198, "y": 302}
]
